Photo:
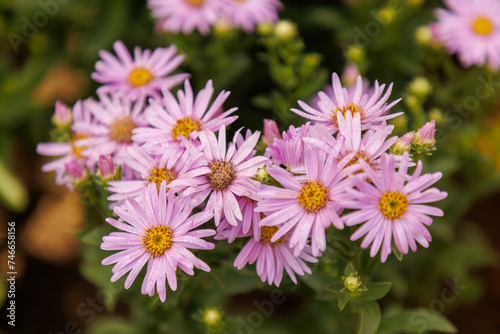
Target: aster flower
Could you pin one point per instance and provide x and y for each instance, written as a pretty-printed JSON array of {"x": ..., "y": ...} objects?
[
  {"x": 249, "y": 222},
  {"x": 185, "y": 15},
  {"x": 392, "y": 206},
  {"x": 144, "y": 75},
  {"x": 111, "y": 134},
  {"x": 273, "y": 257},
  {"x": 289, "y": 151},
  {"x": 223, "y": 176},
  {"x": 151, "y": 169},
  {"x": 471, "y": 30},
  {"x": 169, "y": 119},
  {"x": 249, "y": 13},
  {"x": 371, "y": 106},
  {"x": 67, "y": 151},
  {"x": 156, "y": 232},
  {"x": 308, "y": 204}
]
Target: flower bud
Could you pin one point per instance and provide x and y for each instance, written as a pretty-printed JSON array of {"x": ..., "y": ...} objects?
[
  {"x": 285, "y": 30},
  {"x": 212, "y": 317},
  {"x": 353, "y": 284},
  {"x": 425, "y": 135},
  {"x": 350, "y": 74},
  {"x": 75, "y": 171},
  {"x": 106, "y": 166},
  {"x": 403, "y": 144},
  {"x": 420, "y": 87},
  {"x": 270, "y": 131},
  {"x": 62, "y": 115}
]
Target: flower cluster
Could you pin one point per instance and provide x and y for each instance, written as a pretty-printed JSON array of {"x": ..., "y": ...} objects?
[
  {"x": 187, "y": 15},
  {"x": 170, "y": 171}
]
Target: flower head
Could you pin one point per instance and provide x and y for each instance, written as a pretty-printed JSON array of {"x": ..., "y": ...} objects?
[
  {"x": 471, "y": 29},
  {"x": 186, "y": 15},
  {"x": 289, "y": 151},
  {"x": 306, "y": 205},
  {"x": 144, "y": 75},
  {"x": 392, "y": 206},
  {"x": 372, "y": 106},
  {"x": 156, "y": 232},
  {"x": 271, "y": 131},
  {"x": 249, "y": 13},
  {"x": 171, "y": 119}
]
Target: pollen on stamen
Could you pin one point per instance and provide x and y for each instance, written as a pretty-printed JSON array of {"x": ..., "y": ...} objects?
[
  {"x": 393, "y": 204},
  {"x": 195, "y": 2},
  {"x": 354, "y": 108},
  {"x": 139, "y": 77},
  {"x": 313, "y": 196},
  {"x": 222, "y": 174},
  {"x": 157, "y": 239},
  {"x": 77, "y": 150},
  {"x": 266, "y": 234},
  {"x": 185, "y": 126},
  {"x": 121, "y": 130},
  {"x": 158, "y": 175}
]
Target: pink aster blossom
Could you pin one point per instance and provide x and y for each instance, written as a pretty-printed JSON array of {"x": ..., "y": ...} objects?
[
  {"x": 143, "y": 75},
  {"x": 170, "y": 118},
  {"x": 471, "y": 29},
  {"x": 111, "y": 134},
  {"x": 249, "y": 222},
  {"x": 289, "y": 151},
  {"x": 392, "y": 206},
  {"x": 306, "y": 205},
  {"x": 151, "y": 169},
  {"x": 157, "y": 232},
  {"x": 274, "y": 257},
  {"x": 67, "y": 151},
  {"x": 185, "y": 15},
  {"x": 372, "y": 105},
  {"x": 249, "y": 13},
  {"x": 224, "y": 175}
]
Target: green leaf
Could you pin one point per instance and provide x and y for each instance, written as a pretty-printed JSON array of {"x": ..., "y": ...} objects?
[
  {"x": 370, "y": 316},
  {"x": 415, "y": 321},
  {"x": 335, "y": 288},
  {"x": 349, "y": 269},
  {"x": 376, "y": 291},
  {"x": 343, "y": 301},
  {"x": 12, "y": 190},
  {"x": 111, "y": 326},
  {"x": 396, "y": 252}
]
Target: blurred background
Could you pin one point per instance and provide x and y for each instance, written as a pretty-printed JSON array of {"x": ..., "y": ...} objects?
[{"x": 48, "y": 49}]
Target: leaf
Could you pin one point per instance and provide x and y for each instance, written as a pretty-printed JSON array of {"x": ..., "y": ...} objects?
[
  {"x": 12, "y": 190},
  {"x": 343, "y": 301},
  {"x": 376, "y": 291},
  {"x": 335, "y": 288},
  {"x": 349, "y": 269},
  {"x": 370, "y": 316},
  {"x": 111, "y": 326},
  {"x": 396, "y": 252},
  {"x": 415, "y": 321}
]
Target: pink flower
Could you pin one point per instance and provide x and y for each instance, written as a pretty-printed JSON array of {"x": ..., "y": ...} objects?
[
  {"x": 249, "y": 13},
  {"x": 306, "y": 205},
  {"x": 249, "y": 222},
  {"x": 144, "y": 75},
  {"x": 472, "y": 30},
  {"x": 371, "y": 106},
  {"x": 289, "y": 151},
  {"x": 391, "y": 206},
  {"x": 151, "y": 169},
  {"x": 186, "y": 15},
  {"x": 171, "y": 119},
  {"x": 68, "y": 151},
  {"x": 111, "y": 134},
  {"x": 157, "y": 232},
  {"x": 273, "y": 257},
  {"x": 223, "y": 176},
  {"x": 106, "y": 166}
]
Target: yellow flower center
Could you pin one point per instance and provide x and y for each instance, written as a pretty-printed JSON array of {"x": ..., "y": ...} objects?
[
  {"x": 267, "y": 232},
  {"x": 482, "y": 26},
  {"x": 77, "y": 150},
  {"x": 195, "y": 2},
  {"x": 157, "y": 239},
  {"x": 393, "y": 205},
  {"x": 157, "y": 175},
  {"x": 360, "y": 155},
  {"x": 222, "y": 174},
  {"x": 140, "y": 77},
  {"x": 121, "y": 130},
  {"x": 185, "y": 126},
  {"x": 313, "y": 196},
  {"x": 354, "y": 108}
]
